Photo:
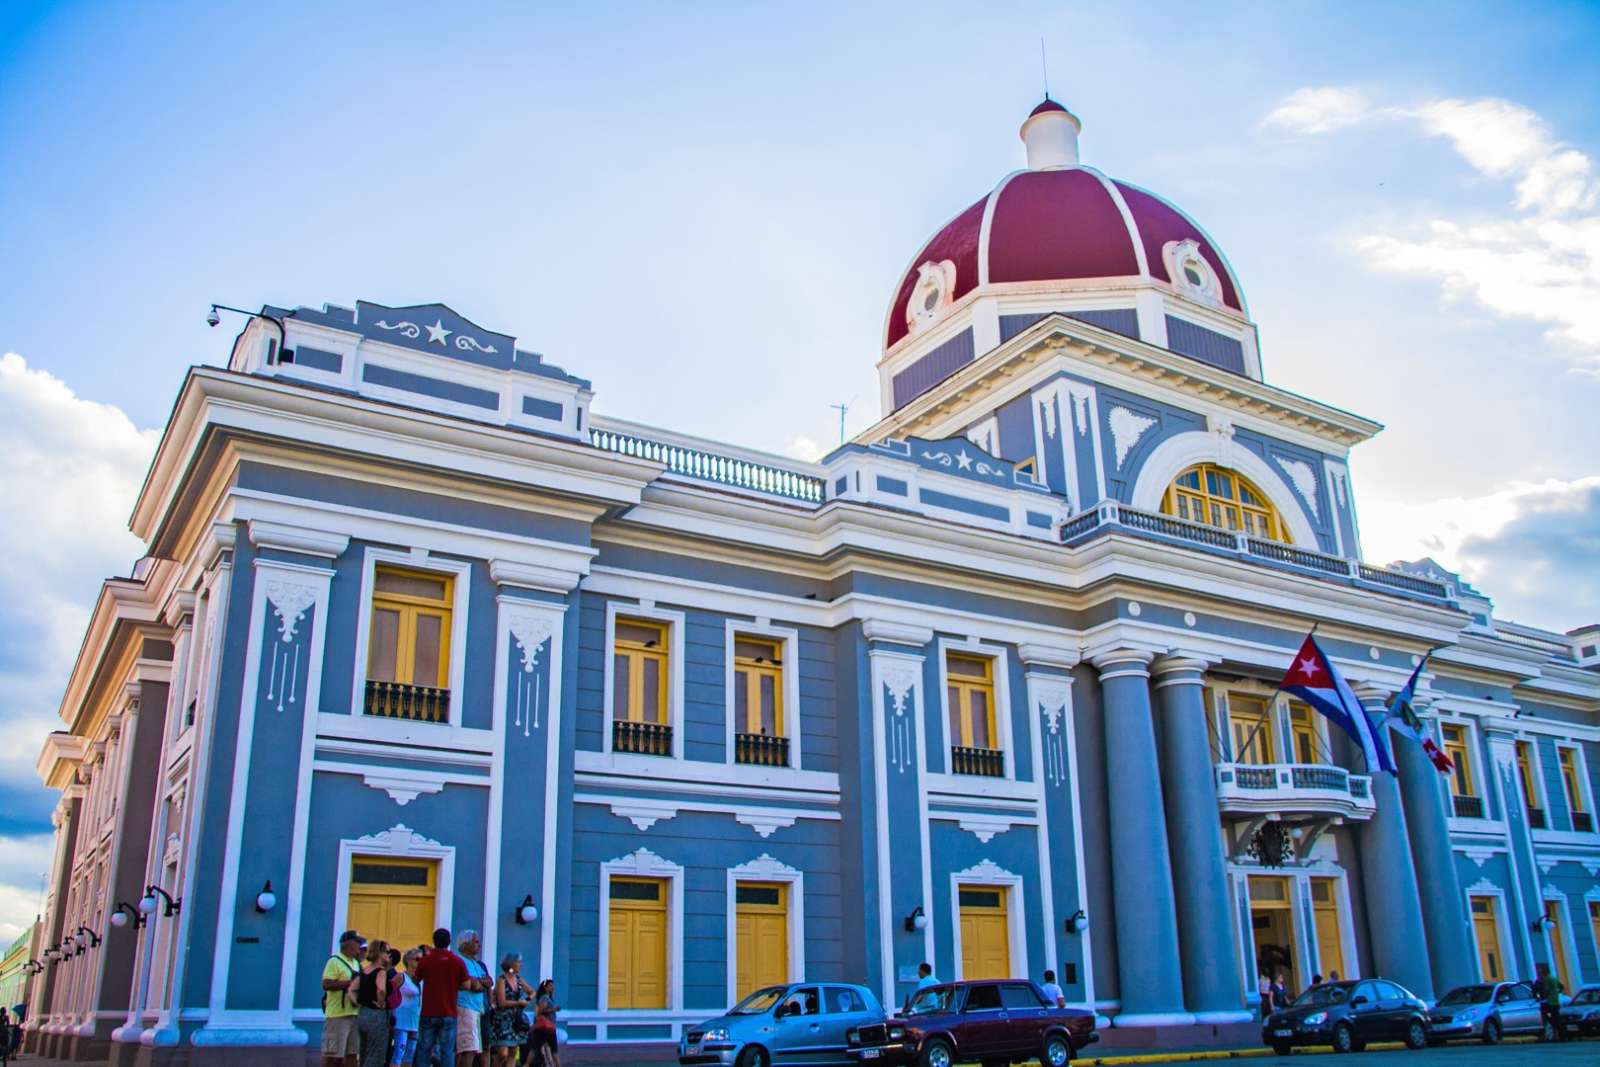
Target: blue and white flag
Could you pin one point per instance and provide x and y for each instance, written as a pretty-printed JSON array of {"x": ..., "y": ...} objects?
[{"x": 1312, "y": 678}]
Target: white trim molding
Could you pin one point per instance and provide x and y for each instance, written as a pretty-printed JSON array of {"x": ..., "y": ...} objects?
[
  {"x": 418, "y": 559},
  {"x": 764, "y": 868},
  {"x": 988, "y": 873},
  {"x": 642, "y": 863},
  {"x": 397, "y": 842}
]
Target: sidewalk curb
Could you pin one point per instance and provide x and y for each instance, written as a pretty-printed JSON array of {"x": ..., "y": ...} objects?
[{"x": 1197, "y": 1055}]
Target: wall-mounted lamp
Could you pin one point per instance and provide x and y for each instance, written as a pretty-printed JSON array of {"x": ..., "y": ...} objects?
[
  {"x": 147, "y": 903},
  {"x": 266, "y": 900},
  {"x": 1542, "y": 923},
  {"x": 126, "y": 912},
  {"x": 33, "y": 966},
  {"x": 1077, "y": 922},
  {"x": 94, "y": 938},
  {"x": 917, "y": 920},
  {"x": 525, "y": 912}
]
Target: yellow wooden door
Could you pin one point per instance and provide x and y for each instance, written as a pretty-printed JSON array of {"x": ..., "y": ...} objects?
[
  {"x": 761, "y": 933},
  {"x": 985, "y": 933},
  {"x": 1330, "y": 938},
  {"x": 1557, "y": 933},
  {"x": 637, "y": 955},
  {"x": 1486, "y": 932},
  {"x": 393, "y": 900}
]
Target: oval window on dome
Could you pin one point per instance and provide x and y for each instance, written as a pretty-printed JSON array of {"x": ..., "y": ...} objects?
[
  {"x": 1193, "y": 273},
  {"x": 931, "y": 301}
]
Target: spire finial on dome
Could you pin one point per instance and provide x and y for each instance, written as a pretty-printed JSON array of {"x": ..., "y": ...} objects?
[{"x": 1050, "y": 133}]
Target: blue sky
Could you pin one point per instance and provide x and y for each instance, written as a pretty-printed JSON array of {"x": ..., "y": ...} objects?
[{"x": 705, "y": 208}]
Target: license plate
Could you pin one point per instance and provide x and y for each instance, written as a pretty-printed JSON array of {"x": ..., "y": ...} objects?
[
  {"x": 693, "y": 1050},
  {"x": 1282, "y": 1033},
  {"x": 871, "y": 1053}
]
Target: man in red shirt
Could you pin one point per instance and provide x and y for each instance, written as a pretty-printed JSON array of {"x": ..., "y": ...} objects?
[{"x": 442, "y": 975}]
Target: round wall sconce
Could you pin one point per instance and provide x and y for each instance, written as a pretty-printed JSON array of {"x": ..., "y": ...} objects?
[
  {"x": 525, "y": 912},
  {"x": 917, "y": 920},
  {"x": 127, "y": 912},
  {"x": 1077, "y": 922},
  {"x": 266, "y": 900},
  {"x": 148, "y": 902}
]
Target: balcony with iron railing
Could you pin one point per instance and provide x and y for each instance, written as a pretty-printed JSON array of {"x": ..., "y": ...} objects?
[
  {"x": 1536, "y": 819},
  {"x": 1249, "y": 789},
  {"x": 414, "y": 703},
  {"x": 1110, "y": 517},
  {"x": 641, "y": 738},
  {"x": 762, "y": 750},
  {"x": 1466, "y": 807},
  {"x": 1583, "y": 822},
  {"x": 984, "y": 762}
]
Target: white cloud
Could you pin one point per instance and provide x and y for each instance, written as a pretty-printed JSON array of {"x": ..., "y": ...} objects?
[
  {"x": 1319, "y": 109},
  {"x": 1539, "y": 259},
  {"x": 24, "y": 862},
  {"x": 69, "y": 474},
  {"x": 804, "y": 448},
  {"x": 1530, "y": 547}
]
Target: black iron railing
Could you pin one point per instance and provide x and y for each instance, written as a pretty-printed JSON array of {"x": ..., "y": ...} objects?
[
  {"x": 1468, "y": 807},
  {"x": 397, "y": 700},
  {"x": 1536, "y": 818},
  {"x": 1583, "y": 822},
  {"x": 763, "y": 750},
  {"x": 987, "y": 762},
  {"x": 641, "y": 738}
]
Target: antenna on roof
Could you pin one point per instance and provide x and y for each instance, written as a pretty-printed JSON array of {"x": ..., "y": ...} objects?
[
  {"x": 1044, "y": 65},
  {"x": 842, "y": 409}
]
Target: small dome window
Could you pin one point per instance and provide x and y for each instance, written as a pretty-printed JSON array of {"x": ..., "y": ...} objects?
[
  {"x": 1191, "y": 274},
  {"x": 931, "y": 295}
]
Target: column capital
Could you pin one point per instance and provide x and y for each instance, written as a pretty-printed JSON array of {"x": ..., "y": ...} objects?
[
  {"x": 1118, "y": 662},
  {"x": 561, "y": 575},
  {"x": 1370, "y": 692},
  {"x": 1179, "y": 662},
  {"x": 899, "y": 633},
  {"x": 1049, "y": 656},
  {"x": 308, "y": 542}
]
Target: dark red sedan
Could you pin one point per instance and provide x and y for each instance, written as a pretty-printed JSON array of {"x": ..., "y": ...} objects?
[{"x": 991, "y": 1022}]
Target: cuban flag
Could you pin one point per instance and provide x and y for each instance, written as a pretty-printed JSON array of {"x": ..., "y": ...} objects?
[
  {"x": 1312, "y": 678},
  {"x": 1406, "y": 720}
]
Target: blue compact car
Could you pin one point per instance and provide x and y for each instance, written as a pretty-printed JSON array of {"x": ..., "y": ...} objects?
[{"x": 804, "y": 1022}]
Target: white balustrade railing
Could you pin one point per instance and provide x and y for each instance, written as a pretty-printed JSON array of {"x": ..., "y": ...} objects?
[{"x": 708, "y": 466}]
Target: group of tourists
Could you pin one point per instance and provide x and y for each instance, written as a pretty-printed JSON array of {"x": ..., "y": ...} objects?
[{"x": 431, "y": 1006}]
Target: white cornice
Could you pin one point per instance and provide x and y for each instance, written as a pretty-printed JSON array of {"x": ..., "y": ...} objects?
[{"x": 1250, "y": 401}]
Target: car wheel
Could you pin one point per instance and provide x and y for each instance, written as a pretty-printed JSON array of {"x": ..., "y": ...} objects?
[
  {"x": 1344, "y": 1039},
  {"x": 1491, "y": 1032},
  {"x": 1057, "y": 1051},
  {"x": 754, "y": 1056},
  {"x": 937, "y": 1053},
  {"x": 1280, "y": 1049},
  {"x": 1416, "y": 1036}
]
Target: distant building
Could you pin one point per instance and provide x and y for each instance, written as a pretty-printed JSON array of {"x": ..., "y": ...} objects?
[
  {"x": 421, "y": 641},
  {"x": 16, "y": 977}
]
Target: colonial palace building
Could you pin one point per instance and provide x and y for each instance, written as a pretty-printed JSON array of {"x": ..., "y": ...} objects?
[{"x": 419, "y": 640}]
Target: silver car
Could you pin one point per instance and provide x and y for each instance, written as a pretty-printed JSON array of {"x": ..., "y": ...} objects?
[
  {"x": 1487, "y": 1011},
  {"x": 804, "y": 1022}
]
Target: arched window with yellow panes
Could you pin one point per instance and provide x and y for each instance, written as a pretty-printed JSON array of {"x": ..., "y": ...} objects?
[{"x": 1220, "y": 497}]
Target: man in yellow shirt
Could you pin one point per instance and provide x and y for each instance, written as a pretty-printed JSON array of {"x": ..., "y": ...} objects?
[{"x": 340, "y": 1039}]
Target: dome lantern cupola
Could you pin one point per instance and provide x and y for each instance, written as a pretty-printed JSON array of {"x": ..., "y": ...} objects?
[{"x": 1050, "y": 133}]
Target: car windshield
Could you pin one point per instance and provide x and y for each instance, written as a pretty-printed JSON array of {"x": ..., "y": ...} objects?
[
  {"x": 760, "y": 1001},
  {"x": 1468, "y": 994},
  {"x": 1588, "y": 996},
  {"x": 1323, "y": 995},
  {"x": 928, "y": 1001}
]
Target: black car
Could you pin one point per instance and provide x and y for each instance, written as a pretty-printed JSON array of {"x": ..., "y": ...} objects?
[
  {"x": 991, "y": 1022},
  {"x": 1580, "y": 1016},
  {"x": 1347, "y": 1015}
]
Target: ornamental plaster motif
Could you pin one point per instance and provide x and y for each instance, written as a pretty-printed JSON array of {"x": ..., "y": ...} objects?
[
  {"x": 401, "y": 790},
  {"x": 644, "y": 814},
  {"x": 642, "y": 861},
  {"x": 530, "y": 630},
  {"x": 1546, "y": 865},
  {"x": 437, "y": 334},
  {"x": 764, "y": 823},
  {"x": 764, "y": 866},
  {"x": 398, "y": 840},
  {"x": 963, "y": 462},
  {"x": 937, "y": 280},
  {"x": 1047, "y": 416},
  {"x": 986, "y": 871},
  {"x": 1052, "y": 699},
  {"x": 290, "y": 600},
  {"x": 1304, "y": 479},
  {"x": 1126, "y": 429},
  {"x": 984, "y": 827},
  {"x": 899, "y": 680},
  {"x": 1080, "y": 406},
  {"x": 1482, "y": 885}
]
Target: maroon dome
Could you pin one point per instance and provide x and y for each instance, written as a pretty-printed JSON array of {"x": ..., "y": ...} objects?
[
  {"x": 1048, "y": 105},
  {"x": 1059, "y": 224}
]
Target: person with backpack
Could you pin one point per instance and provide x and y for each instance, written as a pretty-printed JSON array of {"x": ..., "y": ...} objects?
[{"x": 341, "y": 1041}]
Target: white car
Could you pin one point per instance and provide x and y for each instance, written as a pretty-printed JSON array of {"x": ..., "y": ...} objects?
[{"x": 1487, "y": 1011}]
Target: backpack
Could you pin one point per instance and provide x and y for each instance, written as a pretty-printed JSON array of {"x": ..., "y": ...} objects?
[{"x": 325, "y": 992}]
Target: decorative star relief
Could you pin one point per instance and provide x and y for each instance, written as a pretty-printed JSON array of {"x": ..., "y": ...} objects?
[{"x": 437, "y": 333}]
